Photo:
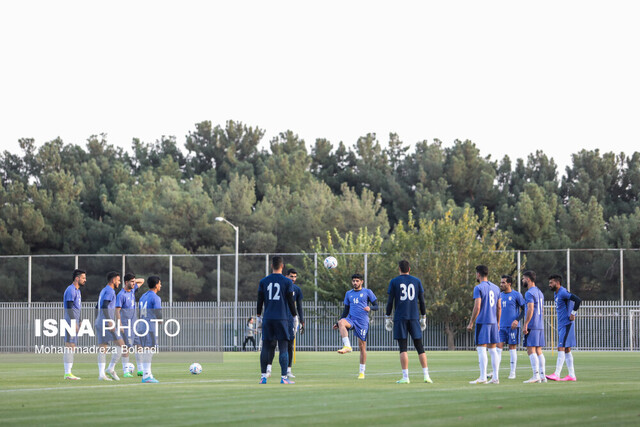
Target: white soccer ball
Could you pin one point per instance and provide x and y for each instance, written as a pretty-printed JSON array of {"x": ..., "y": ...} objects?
[
  {"x": 128, "y": 367},
  {"x": 195, "y": 368},
  {"x": 330, "y": 262}
]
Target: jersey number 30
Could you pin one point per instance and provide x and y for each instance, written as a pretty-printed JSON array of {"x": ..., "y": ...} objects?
[{"x": 408, "y": 292}]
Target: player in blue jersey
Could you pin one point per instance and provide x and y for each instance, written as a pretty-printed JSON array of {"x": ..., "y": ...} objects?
[
  {"x": 146, "y": 332},
  {"x": 533, "y": 328},
  {"x": 72, "y": 304},
  {"x": 126, "y": 317},
  {"x": 567, "y": 305},
  {"x": 107, "y": 331},
  {"x": 512, "y": 312},
  {"x": 486, "y": 316},
  {"x": 356, "y": 316},
  {"x": 410, "y": 318},
  {"x": 275, "y": 292}
]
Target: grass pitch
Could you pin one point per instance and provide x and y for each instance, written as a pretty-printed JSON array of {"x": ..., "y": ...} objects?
[{"x": 327, "y": 391}]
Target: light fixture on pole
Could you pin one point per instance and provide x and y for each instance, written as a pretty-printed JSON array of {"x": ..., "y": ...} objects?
[{"x": 235, "y": 306}]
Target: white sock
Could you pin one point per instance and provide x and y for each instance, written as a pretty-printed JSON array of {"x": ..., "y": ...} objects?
[
  {"x": 534, "y": 364},
  {"x": 346, "y": 342},
  {"x": 138, "y": 361},
  {"x": 405, "y": 374},
  {"x": 147, "y": 365},
  {"x": 568, "y": 357},
  {"x": 543, "y": 364},
  {"x": 115, "y": 357},
  {"x": 559, "y": 363},
  {"x": 288, "y": 370},
  {"x": 513, "y": 360},
  {"x": 499, "y": 350},
  {"x": 102, "y": 361},
  {"x": 482, "y": 361},
  {"x": 495, "y": 362},
  {"x": 425, "y": 372},
  {"x": 361, "y": 368},
  {"x": 268, "y": 368},
  {"x": 67, "y": 358},
  {"x": 125, "y": 360}
]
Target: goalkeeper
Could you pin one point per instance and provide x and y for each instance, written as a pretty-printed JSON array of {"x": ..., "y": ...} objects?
[{"x": 408, "y": 294}]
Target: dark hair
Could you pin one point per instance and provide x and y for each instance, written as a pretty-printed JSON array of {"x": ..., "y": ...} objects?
[
  {"x": 77, "y": 273},
  {"x": 152, "y": 281},
  {"x": 556, "y": 277},
  {"x": 129, "y": 276},
  {"x": 277, "y": 262},
  {"x": 357, "y": 276},
  {"x": 530, "y": 274},
  {"x": 404, "y": 266},
  {"x": 507, "y": 278},
  {"x": 111, "y": 275},
  {"x": 291, "y": 271},
  {"x": 249, "y": 319},
  {"x": 483, "y": 270}
]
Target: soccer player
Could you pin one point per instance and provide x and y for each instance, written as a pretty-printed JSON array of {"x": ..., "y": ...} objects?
[
  {"x": 72, "y": 303},
  {"x": 106, "y": 328},
  {"x": 356, "y": 316},
  {"x": 533, "y": 328},
  {"x": 407, "y": 293},
  {"x": 567, "y": 305},
  {"x": 126, "y": 317},
  {"x": 512, "y": 311},
  {"x": 146, "y": 339},
  {"x": 486, "y": 315},
  {"x": 275, "y": 292}
]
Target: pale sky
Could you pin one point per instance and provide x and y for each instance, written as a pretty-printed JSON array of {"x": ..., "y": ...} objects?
[{"x": 511, "y": 76}]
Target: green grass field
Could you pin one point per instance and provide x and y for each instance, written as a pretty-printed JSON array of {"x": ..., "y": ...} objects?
[{"x": 327, "y": 392}]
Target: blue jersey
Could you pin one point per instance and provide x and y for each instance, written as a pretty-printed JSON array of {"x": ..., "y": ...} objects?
[
  {"x": 564, "y": 306},
  {"x": 126, "y": 301},
  {"x": 149, "y": 306},
  {"x": 535, "y": 296},
  {"x": 405, "y": 291},
  {"x": 107, "y": 303},
  {"x": 512, "y": 302},
  {"x": 72, "y": 303},
  {"x": 275, "y": 288},
  {"x": 297, "y": 299},
  {"x": 357, "y": 301},
  {"x": 488, "y": 293}
]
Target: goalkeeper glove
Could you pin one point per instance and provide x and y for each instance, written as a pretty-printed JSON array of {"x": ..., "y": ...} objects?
[
  {"x": 301, "y": 328},
  {"x": 259, "y": 323},
  {"x": 388, "y": 323},
  {"x": 296, "y": 322},
  {"x": 423, "y": 323}
]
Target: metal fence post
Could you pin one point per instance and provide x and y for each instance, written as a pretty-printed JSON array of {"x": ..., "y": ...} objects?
[
  {"x": 365, "y": 270},
  {"x": 218, "y": 283},
  {"x": 569, "y": 270},
  {"x": 621, "y": 276},
  {"x": 170, "y": 279},
  {"x": 519, "y": 280},
  {"x": 315, "y": 301},
  {"x": 29, "y": 307}
]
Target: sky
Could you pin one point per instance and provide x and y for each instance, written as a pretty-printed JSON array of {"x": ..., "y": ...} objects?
[{"x": 511, "y": 76}]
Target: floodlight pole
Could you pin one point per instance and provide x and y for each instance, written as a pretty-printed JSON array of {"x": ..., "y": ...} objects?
[{"x": 235, "y": 306}]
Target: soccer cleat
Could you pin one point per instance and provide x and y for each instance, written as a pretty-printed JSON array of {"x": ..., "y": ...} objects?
[
  {"x": 478, "y": 381},
  {"x": 112, "y": 374},
  {"x": 263, "y": 380},
  {"x": 150, "y": 380},
  {"x": 290, "y": 375},
  {"x": 104, "y": 378},
  {"x": 494, "y": 381},
  {"x": 543, "y": 379},
  {"x": 568, "y": 378},
  {"x": 532, "y": 380},
  {"x": 403, "y": 381},
  {"x": 127, "y": 375},
  {"x": 286, "y": 381},
  {"x": 490, "y": 375},
  {"x": 140, "y": 373},
  {"x": 268, "y": 374},
  {"x": 427, "y": 379},
  {"x": 361, "y": 376},
  {"x": 553, "y": 377},
  {"x": 345, "y": 349},
  {"x": 70, "y": 376},
  {"x": 512, "y": 376}
]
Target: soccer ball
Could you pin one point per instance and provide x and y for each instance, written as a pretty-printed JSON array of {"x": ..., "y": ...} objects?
[
  {"x": 195, "y": 368},
  {"x": 129, "y": 367},
  {"x": 330, "y": 262}
]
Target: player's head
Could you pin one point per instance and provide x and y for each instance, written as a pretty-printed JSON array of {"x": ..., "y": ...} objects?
[
  {"x": 506, "y": 282},
  {"x": 292, "y": 274},
  {"x": 404, "y": 267},
  {"x": 79, "y": 277},
  {"x": 129, "y": 281},
  {"x": 555, "y": 282},
  {"x": 277, "y": 262},
  {"x": 356, "y": 281},
  {"x": 529, "y": 278},
  {"x": 154, "y": 283},
  {"x": 482, "y": 272},
  {"x": 113, "y": 278}
]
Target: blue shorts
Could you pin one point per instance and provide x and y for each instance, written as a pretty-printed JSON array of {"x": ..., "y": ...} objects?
[
  {"x": 70, "y": 339},
  {"x": 128, "y": 334},
  {"x": 567, "y": 335},
  {"x": 535, "y": 338},
  {"x": 510, "y": 336},
  {"x": 487, "y": 333},
  {"x": 106, "y": 336},
  {"x": 148, "y": 340},
  {"x": 276, "y": 330},
  {"x": 360, "y": 328},
  {"x": 405, "y": 327}
]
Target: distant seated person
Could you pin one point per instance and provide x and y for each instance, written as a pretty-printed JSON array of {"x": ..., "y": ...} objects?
[{"x": 249, "y": 334}]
